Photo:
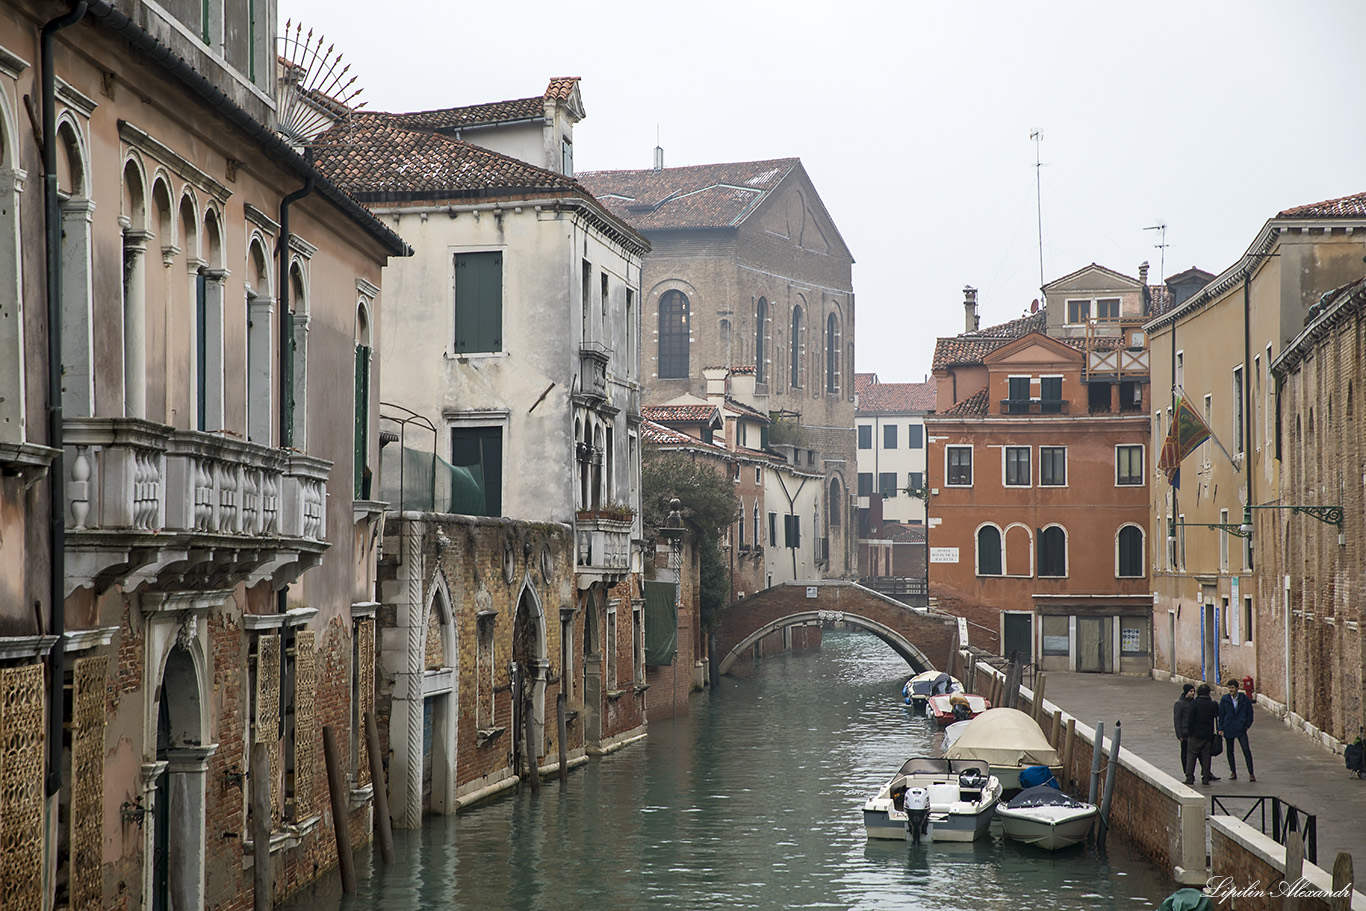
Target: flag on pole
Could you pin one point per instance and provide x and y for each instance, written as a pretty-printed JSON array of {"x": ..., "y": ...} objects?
[{"x": 1188, "y": 430}]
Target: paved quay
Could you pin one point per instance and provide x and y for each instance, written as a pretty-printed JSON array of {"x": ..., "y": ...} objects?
[{"x": 1289, "y": 765}]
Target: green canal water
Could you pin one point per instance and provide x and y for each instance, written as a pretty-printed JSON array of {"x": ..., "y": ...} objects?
[{"x": 751, "y": 801}]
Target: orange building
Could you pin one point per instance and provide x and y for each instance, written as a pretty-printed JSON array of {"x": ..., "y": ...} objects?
[{"x": 1038, "y": 469}]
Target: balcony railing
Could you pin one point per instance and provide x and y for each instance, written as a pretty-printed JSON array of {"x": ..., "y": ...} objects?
[
  {"x": 603, "y": 543},
  {"x": 143, "y": 498},
  {"x": 593, "y": 360},
  {"x": 1033, "y": 406}
]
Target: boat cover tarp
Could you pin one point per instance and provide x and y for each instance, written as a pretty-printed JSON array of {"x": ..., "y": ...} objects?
[
  {"x": 1044, "y": 796},
  {"x": 1037, "y": 774},
  {"x": 661, "y": 623},
  {"x": 1004, "y": 737}
]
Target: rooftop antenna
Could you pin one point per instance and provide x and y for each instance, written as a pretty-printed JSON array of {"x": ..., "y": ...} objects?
[
  {"x": 1161, "y": 246},
  {"x": 1037, "y": 136}
]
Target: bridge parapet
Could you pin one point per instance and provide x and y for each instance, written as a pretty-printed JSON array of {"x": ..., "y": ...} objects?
[{"x": 925, "y": 638}]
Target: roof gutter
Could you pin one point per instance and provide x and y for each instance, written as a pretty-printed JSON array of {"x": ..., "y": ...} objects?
[{"x": 212, "y": 95}]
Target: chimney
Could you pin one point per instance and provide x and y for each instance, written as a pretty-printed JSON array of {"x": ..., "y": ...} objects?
[
  {"x": 971, "y": 321},
  {"x": 1143, "y": 273},
  {"x": 659, "y": 158}
]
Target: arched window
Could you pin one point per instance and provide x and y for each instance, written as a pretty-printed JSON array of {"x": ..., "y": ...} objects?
[
  {"x": 832, "y": 354},
  {"x": 798, "y": 344},
  {"x": 760, "y": 340},
  {"x": 1052, "y": 551},
  {"x": 673, "y": 335},
  {"x": 1130, "y": 552},
  {"x": 988, "y": 551},
  {"x": 834, "y": 507}
]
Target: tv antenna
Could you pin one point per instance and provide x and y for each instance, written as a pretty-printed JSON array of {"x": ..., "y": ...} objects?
[
  {"x": 1161, "y": 245},
  {"x": 1037, "y": 136},
  {"x": 312, "y": 91}
]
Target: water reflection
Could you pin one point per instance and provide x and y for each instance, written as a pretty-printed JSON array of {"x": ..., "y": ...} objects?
[{"x": 750, "y": 802}]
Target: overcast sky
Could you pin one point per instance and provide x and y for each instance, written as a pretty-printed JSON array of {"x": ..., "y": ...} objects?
[{"x": 914, "y": 119}]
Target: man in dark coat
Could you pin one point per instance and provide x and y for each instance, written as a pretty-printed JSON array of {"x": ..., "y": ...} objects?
[
  {"x": 1181, "y": 719},
  {"x": 1235, "y": 717},
  {"x": 1204, "y": 715}
]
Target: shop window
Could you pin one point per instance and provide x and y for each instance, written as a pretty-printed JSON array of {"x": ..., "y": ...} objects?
[{"x": 1055, "y": 636}]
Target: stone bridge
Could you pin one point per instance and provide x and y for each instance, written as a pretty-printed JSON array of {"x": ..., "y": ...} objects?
[{"x": 924, "y": 637}]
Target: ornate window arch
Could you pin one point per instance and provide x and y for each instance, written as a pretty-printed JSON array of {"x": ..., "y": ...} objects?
[
  {"x": 1053, "y": 551},
  {"x": 798, "y": 345},
  {"x": 761, "y": 340},
  {"x": 1129, "y": 546},
  {"x": 989, "y": 550}
]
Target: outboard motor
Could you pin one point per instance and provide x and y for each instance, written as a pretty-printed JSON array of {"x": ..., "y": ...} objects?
[{"x": 917, "y": 813}]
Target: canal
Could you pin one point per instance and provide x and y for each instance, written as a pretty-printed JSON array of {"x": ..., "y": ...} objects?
[{"x": 752, "y": 801}]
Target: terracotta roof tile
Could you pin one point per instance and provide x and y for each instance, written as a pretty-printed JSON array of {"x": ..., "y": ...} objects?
[
  {"x": 1342, "y": 207},
  {"x": 745, "y": 370},
  {"x": 963, "y": 349},
  {"x": 374, "y": 157},
  {"x": 896, "y": 398},
  {"x": 561, "y": 88},
  {"x": 742, "y": 408},
  {"x": 678, "y": 414},
  {"x": 974, "y": 406},
  {"x": 660, "y": 435},
  {"x": 698, "y": 196}
]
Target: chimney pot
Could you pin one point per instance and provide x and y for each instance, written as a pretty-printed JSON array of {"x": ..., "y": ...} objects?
[
  {"x": 1143, "y": 272},
  {"x": 971, "y": 321},
  {"x": 659, "y": 158}
]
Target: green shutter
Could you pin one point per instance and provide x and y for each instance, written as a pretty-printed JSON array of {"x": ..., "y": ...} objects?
[
  {"x": 661, "y": 623},
  {"x": 478, "y": 302},
  {"x": 362, "y": 420},
  {"x": 201, "y": 351}
]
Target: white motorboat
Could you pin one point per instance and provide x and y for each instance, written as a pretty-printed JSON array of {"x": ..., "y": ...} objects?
[
  {"x": 1046, "y": 817},
  {"x": 956, "y": 707},
  {"x": 930, "y": 683},
  {"x": 1009, "y": 741},
  {"x": 963, "y": 796}
]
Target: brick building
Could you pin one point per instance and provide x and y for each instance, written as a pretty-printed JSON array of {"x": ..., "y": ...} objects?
[
  {"x": 747, "y": 270},
  {"x": 1037, "y": 472},
  {"x": 1310, "y": 561},
  {"x": 213, "y": 580}
]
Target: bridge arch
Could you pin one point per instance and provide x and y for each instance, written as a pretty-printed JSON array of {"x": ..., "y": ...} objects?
[{"x": 924, "y": 638}]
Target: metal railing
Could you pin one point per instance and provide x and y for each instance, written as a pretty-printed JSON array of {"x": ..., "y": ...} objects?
[
  {"x": 1034, "y": 406},
  {"x": 1285, "y": 818}
]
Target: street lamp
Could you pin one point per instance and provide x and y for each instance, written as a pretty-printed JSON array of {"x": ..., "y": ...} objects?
[{"x": 673, "y": 532}]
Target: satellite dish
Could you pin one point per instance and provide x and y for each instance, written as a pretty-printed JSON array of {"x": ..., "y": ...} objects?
[
  {"x": 312, "y": 91},
  {"x": 1034, "y": 306}
]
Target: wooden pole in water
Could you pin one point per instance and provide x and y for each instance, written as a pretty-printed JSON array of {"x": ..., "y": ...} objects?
[
  {"x": 533, "y": 771},
  {"x": 1342, "y": 884},
  {"x": 1097, "y": 746},
  {"x": 380, "y": 786},
  {"x": 260, "y": 828},
  {"x": 336, "y": 785},
  {"x": 1057, "y": 729},
  {"x": 1111, "y": 775},
  {"x": 971, "y": 680},
  {"x": 562, "y": 723},
  {"x": 1294, "y": 866},
  {"x": 1038, "y": 697},
  {"x": 1069, "y": 739}
]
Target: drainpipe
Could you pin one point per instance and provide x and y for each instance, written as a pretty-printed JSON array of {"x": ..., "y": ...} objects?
[
  {"x": 287, "y": 343},
  {"x": 1247, "y": 403},
  {"x": 52, "y": 249}
]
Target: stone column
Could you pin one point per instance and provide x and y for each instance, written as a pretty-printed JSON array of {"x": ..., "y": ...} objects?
[
  {"x": 135, "y": 323},
  {"x": 185, "y": 780}
]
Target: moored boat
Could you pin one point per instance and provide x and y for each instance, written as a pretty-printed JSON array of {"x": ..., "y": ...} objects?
[
  {"x": 1046, "y": 817},
  {"x": 956, "y": 707},
  {"x": 929, "y": 683},
  {"x": 1009, "y": 741},
  {"x": 962, "y": 795}
]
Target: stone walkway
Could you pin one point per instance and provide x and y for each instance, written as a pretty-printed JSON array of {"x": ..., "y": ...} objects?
[{"x": 1289, "y": 765}]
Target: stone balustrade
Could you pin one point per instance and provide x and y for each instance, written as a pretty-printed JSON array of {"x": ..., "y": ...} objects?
[
  {"x": 603, "y": 545},
  {"x": 142, "y": 495}
]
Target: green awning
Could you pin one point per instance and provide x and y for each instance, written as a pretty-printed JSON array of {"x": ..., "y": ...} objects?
[{"x": 661, "y": 624}]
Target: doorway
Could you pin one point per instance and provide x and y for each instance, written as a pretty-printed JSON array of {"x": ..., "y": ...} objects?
[
  {"x": 1095, "y": 645},
  {"x": 1017, "y": 635}
]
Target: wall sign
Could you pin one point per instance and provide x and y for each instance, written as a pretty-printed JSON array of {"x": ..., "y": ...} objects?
[
  {"x": 811, "y": 591},
  {"x": 943, "y": 555}
]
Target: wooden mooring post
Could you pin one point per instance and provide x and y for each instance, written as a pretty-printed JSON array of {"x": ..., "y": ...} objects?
[
  {"x": 1037, "y": 707},
  {"x": 380, "y": 786},
  {"x": 1069, "y": 741},
  {"x": 260, "y": 828},
  {"x": 341, "y": 815}
]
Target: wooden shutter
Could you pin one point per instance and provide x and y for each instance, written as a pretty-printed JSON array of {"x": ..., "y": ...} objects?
[
  {"x": 362, "y": 419},
  {"x": 478, "y": 302}
]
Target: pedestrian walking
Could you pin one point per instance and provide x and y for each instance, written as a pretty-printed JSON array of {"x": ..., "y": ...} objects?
[
  {"x": 1181, "y": 719},
  {"x": 1204, "y": 716},
  {"x": 1235, "y": 717}
]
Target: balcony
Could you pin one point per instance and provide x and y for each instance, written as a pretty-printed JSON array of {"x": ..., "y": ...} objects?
[
  {"x": 593, "y": 359},
  {"x": 1033, "y": 406},
  {"x": 603, "y": 546},
  {"x": 184, "y": 510}
]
